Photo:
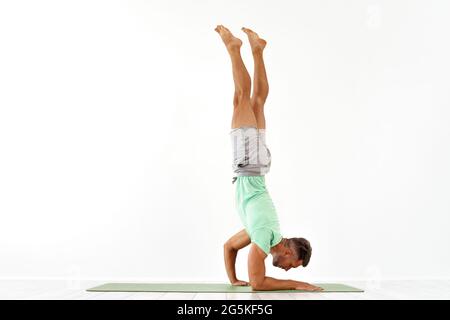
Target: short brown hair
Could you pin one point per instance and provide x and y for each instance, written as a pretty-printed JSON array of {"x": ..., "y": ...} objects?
[{"x": 303, "y": 249}]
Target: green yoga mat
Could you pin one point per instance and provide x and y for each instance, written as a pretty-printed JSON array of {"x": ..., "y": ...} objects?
[{"x": 206, "y": 287}]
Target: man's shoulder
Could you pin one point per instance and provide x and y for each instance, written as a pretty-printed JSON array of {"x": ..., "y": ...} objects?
[
  {"x": 262, "y": 237},
  {"x": 257, "y": 252}
]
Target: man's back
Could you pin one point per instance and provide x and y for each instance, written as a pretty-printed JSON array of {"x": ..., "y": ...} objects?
[{"x": 257, "y": 211}]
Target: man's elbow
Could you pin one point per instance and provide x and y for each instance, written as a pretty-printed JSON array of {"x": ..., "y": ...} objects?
[
  {"x": 257, "y": 285},
  {"x": 228, "y": 247}
]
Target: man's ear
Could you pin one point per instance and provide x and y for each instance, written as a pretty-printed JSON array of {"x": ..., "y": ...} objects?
[{"x": 288, "y": 252}]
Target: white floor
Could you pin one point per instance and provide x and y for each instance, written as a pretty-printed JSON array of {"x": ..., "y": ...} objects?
[{"x": 58, "y": 289}]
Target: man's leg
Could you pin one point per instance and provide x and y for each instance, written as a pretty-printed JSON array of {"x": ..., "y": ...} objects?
[
  {"x": 243, "y": 112},
  {"x": 260, "y": 83}
]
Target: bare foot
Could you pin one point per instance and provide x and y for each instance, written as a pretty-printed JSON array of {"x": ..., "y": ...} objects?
[
  {"x": 230, "y": 41},
  {"x": 256, "y": 43}
]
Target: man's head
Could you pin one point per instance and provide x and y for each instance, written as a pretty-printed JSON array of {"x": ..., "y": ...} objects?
[{"x": 292, "y": 253}]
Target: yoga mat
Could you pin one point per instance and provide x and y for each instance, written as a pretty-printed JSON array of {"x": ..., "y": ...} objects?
[{"x": 206, "y": 287}]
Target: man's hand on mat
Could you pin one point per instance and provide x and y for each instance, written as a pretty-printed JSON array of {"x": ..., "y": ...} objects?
[
  {"x": 240, "y": 283},
  {"x": 307, "y": 287}
]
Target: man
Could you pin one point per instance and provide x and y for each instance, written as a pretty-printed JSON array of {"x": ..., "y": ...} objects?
[{"x": 251, "y": 161}]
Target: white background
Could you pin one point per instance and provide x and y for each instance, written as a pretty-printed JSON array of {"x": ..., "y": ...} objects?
[{"x": 114, "y": 137}]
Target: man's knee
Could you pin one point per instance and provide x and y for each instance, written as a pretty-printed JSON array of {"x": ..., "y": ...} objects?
[
  {"x": 241, "y": 97},
  {"x": 257, "y": 102}
]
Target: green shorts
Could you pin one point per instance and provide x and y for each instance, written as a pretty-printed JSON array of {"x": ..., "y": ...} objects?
[{"x": 257, "y": 211}]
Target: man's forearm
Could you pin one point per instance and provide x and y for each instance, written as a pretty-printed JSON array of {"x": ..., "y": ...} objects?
[
  {"x": 230, "y": 262},
  {"x": 270, "y": 283}
]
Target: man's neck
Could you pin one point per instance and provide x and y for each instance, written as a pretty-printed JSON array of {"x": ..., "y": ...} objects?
[{"x": 277, "y": 247}]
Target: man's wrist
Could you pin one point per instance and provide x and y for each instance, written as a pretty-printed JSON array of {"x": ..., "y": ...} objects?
[{"x": 294, "y": 284}]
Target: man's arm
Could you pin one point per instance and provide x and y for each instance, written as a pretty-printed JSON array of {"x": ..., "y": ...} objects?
[
  {"x": 259, "y": 281},
  {"x": 230, "y": 250}
]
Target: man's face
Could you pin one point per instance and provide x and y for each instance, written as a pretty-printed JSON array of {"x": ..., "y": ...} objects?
[{"x": 286, "y": 261}]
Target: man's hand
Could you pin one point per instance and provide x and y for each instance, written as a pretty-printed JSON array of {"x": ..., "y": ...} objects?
[
  {"x": 240, "y": 283},
  {"x": 307, "y": 287}
]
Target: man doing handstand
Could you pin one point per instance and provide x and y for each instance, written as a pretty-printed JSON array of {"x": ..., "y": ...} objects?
[{"x": 251, "y": 161}]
